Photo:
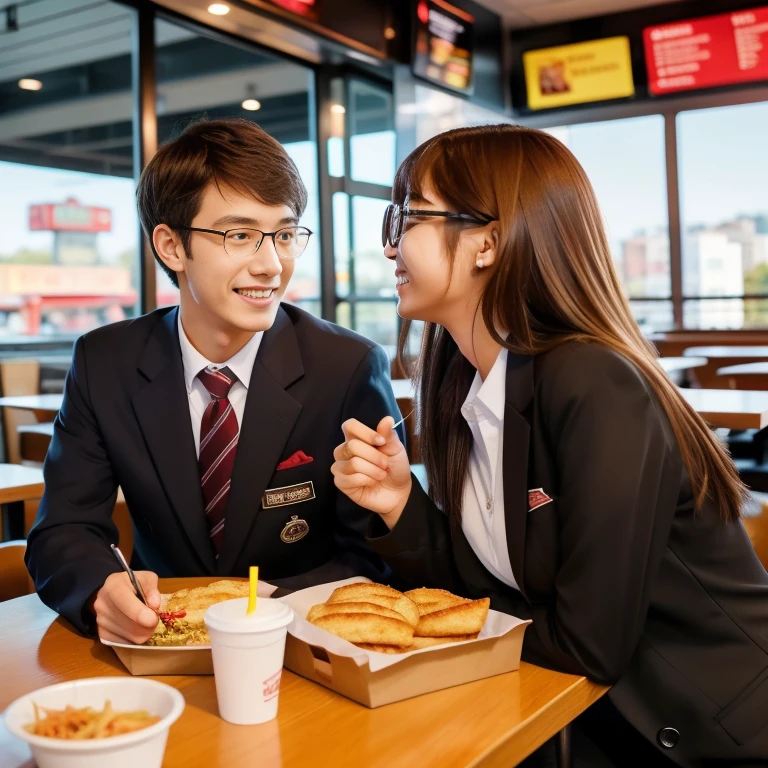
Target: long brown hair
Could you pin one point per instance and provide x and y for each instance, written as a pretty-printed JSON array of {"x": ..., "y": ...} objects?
[{"x": 553, "y": 282}]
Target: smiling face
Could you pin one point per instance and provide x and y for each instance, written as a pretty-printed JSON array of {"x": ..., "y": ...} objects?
[
  {"x": 226, "y": 299},
  {"x": 432, "y": 284}
]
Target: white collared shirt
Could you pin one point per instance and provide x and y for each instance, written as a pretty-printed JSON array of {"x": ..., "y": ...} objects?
[
  {"x": 482, "y": 518},
  {"x": 241, "y": 364}
]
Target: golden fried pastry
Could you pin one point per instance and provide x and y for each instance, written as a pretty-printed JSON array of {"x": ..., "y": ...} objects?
[
  {"x": 466, "y": 618},
  {"x": 418, "y": 644},
  {"x": 367, "y": 628},
  {"x": 403, "y": 605},
  {"x": 327, "y": 609},
  {"x": 428, "y": 642},
  {"x": 431, "y": 600},
  {"x": 360, "y": 590}
]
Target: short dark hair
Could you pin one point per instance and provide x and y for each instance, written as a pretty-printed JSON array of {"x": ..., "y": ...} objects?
[{"x": 232, "y": 153}]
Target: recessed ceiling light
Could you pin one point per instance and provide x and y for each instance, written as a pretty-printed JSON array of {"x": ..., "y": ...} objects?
[
  {"x": 30, "y": 84},
  {"x": 251, "y": 105},
  {"x": 218, "y": 9},
  {"x": 390, "y": 33},
  {"x": 338, "y": 109}
]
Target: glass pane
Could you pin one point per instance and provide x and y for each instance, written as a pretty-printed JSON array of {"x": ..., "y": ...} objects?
[
  {"x": 372, "y": 141},
  {"x": 341, "y": 248},
  {"x": 197, "y": 76},
  {"x": 373, "y": 274},
  {"x": 69, "y": 243},
  {"x": 653, "y": 316},
  {"x": 724, "y": 196},
  {"x": 378, "y": 321},
  {"x": 625, "y": 162}
]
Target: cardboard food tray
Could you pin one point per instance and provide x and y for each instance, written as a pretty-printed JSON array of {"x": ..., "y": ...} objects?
[
  {"x": 164, "y": 660},
  {"x": 374, "y": 679}
]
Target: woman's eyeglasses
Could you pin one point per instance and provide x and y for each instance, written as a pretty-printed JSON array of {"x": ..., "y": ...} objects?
[
  {"x": 289, "y": 242},
  {"x": 395, "y": 216}
]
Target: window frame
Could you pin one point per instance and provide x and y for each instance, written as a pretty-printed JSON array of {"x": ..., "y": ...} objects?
[{"x": 668, "y": 107}]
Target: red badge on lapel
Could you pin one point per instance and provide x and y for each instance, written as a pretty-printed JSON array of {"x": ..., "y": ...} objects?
[
  {"x": 537, "y": 498},
  {"x": 296, "y": 460}
]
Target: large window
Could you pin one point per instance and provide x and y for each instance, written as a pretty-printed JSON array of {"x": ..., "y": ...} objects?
[
  {"x": 68, "y": 229},
  {"x": 625, "y": 162},
  {"x": 198, "y": 76},
  {"x": 362, "y": 155},
  {"x": 723, "y": 164}
]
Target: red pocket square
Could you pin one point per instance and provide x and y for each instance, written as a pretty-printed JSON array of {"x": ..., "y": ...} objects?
[
  {"x": 296, "y": 460},
  {"x": 537, "y": 498}
]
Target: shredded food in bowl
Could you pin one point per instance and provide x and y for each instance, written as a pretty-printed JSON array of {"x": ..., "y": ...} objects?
[{"x": 87, "y": 723}]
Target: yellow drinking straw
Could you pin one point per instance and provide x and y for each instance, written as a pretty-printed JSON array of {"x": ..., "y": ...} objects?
[{"x": 253, "y": 573}]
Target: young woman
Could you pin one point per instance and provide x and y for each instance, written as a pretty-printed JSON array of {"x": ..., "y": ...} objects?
[{"x": 568, "y": 479}]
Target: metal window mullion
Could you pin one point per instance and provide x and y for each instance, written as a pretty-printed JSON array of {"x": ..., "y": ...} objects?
[
  {"x": 673, "y": 214},
  {"x": 326, "y": 188},
  {"x": 144, "y": 132}
]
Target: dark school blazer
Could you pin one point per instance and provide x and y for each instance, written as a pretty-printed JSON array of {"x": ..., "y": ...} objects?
[
  {"x": 625, "y": 583},
  {"x": 125, "y": 422}
]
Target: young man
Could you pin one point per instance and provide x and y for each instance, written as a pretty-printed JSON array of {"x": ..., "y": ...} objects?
[{"x": 218, "y": 419}]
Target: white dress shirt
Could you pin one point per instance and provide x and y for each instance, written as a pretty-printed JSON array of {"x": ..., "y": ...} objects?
[
  {"x": 482, "y": 518},
  {"x": 241, "y": 364}
]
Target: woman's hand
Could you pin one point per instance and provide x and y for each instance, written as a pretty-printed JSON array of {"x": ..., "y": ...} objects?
[{"x": 372, "y": 468}]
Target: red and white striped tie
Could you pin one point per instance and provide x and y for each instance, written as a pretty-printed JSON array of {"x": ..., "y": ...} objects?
[{"x": 218, "y": 444}]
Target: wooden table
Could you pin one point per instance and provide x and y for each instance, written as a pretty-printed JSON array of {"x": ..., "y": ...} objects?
[
  {"x": 44, "y": 407},
  {"x": 674, "y": 364},
  {"x": 17, "y": 485},
  {"x": 730, "y": 351},
  {"x": 731, "y": 408},
  {"x": 492, "y": 723},
  {"x": 752, "y": 376}
]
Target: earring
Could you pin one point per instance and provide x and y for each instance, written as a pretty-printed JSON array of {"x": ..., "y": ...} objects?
[{"x": 480, "y": 263}]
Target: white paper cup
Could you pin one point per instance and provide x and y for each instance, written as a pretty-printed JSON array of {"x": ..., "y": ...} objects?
[{"x": 248, "y": 656}]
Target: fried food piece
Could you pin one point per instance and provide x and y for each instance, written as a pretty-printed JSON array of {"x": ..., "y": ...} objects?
[
  {"x": 377, "y": 648},
  {"x": 431, "y": 600},
  {"x": 418, "y": 643},
  {"x": 196, "y": 601},
  {"x": 428, "y": 642},
  {"x": 403, "y": 605},
  {"x": 367, "y": 628},
  {"x": 328, "y": 609},
  {"x": 360, "y": 591},
  {"x": 464, "y": 619}
]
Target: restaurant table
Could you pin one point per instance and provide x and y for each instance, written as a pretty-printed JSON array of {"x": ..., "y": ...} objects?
[
  {"x": 731, "y": 408},
  {"x": 44, "y": 407},
  {"x": 491, "y": 723},
  {"x": 17, "y": 485},
  {"x": 674, "y": 364},
  {"x": 721, "y": 351},
  {"x": 404, "y": 388}
]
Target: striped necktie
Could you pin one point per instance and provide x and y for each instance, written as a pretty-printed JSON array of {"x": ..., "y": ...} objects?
[{"x": 218, "y": 445}]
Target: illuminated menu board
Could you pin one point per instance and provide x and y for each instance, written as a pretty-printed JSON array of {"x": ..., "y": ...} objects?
[
  {"x": 715, "y": 50},
  {"x": 578, "y": 73},
  {"x": 443, "y": 44}
]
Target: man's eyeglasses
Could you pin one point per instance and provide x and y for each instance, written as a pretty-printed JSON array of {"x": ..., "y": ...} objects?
[
  {"x": 395, "y": 216},
  {"x": 289, "y": 242}
]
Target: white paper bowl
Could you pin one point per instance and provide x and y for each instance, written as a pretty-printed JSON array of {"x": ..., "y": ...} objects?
[{"x": 141, "y": 749}]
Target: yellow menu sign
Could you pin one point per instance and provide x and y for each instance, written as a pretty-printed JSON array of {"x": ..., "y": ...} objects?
[{"x": 578, "y": 73}]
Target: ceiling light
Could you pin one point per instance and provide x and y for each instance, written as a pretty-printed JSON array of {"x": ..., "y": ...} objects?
[
  {"x": 218, "y": 9},
  {"x": 251, "y": 105},
  {"x": 390, "y": 33},
  {"x": 29, "y": 84},
  {"x": 338, "y": 109}
]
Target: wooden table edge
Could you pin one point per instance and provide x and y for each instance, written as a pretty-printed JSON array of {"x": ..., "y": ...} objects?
[
  {"x": 506, "y": 750},
  {"x": 22, "y": 493}
]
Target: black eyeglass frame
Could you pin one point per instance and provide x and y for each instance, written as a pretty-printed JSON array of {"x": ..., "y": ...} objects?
[
  {"x": 251, "y": 229},
  {"x": 405, "y": 212}
]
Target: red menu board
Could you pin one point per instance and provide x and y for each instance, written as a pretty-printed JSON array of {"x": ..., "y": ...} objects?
[{"x": 701, "y": 53}]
